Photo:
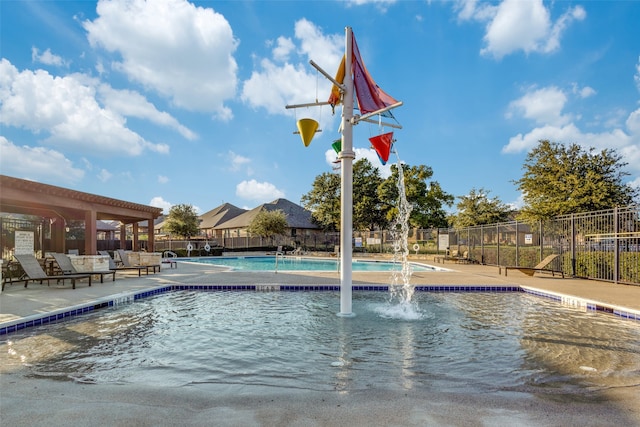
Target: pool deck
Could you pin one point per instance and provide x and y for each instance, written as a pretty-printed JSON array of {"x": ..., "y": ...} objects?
[
  {"x": 18, "y": 304},
  {"x": 28, "y": 400}
]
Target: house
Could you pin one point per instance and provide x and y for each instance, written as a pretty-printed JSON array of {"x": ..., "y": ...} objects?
[
  {"x": 210, "y": 221},
  {"x": 298, "y": 220}
]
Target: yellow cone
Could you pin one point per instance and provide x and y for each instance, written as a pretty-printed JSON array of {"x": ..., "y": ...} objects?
[{"x": 307, "y": 128}]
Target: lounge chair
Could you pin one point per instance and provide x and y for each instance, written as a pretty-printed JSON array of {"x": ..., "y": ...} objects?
[
  {"x": 64, "y": 262},
  {"x": 116, "y": 268},
  {"x": 34, "y": 272},
  {"x": 455, "y": 256},
  {"x": 124, "y": 258},
  {"x": 529, "y": 271},
  {"x": 167, "y": 258}
]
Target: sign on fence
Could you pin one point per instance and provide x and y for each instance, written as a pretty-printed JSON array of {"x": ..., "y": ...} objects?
[
  {"x": 443, "y": 242},
  {"x": 24, "y": 243}
]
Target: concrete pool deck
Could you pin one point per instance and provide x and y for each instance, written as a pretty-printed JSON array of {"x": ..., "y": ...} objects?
[
  {"x": 17, "y": 303},
  {"x": 31, "y": 400}
]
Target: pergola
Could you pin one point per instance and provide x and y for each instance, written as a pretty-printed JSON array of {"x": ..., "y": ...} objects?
[{"x": 62, "y": 205}]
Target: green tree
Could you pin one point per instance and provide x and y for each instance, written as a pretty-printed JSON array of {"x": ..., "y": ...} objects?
[
  {"x": 324, "y": 201},
  {"x": 183, "y": 221},
  {"x": 368, "y": 210},
  {"x": 426, "y": 197},
  {"x": 476, "y": 208},
  {"x": 268, "y": 223},
  {"x": 560, "y": 179}
]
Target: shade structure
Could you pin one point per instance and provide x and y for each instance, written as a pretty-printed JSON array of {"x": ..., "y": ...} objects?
[
  {"x": 307, "y": 129},
  {"x": 382, "y": 144}
]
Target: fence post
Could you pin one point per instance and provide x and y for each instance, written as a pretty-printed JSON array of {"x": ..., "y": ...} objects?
[
  {"x": 517, "y": 245},
  {"x": 482, "y": 244},
  {"x": 498, "y": 246},
  {"x": 616, "y": 248},
  {"x": 541, "y": 237},
  {"x": 573, "y": 246}
]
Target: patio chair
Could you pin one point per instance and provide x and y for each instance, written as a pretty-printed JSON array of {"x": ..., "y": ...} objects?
[
  {"x": 116, "y": 268},
  {"x": 529, "y": 271},
  {"x": 34, "y": 272},
  {"x": 167, "y": 259},
  {"x": 64, "y": 262},
  {"x": 124, "y": 258}
]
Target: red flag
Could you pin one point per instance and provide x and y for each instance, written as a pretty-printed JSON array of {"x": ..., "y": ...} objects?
[
  {"x": 370, "y": 96},
  {"x": 382, "y": 144}
]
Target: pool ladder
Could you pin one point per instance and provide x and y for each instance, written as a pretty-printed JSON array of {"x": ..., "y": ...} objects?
[{"x": 280, "y": 254}]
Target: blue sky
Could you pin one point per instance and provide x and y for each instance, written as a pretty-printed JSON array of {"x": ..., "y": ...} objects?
[{"x": 168, "y": 102}]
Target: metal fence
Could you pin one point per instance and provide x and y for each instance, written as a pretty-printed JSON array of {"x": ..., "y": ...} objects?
[{"x": 601, "y": 245}]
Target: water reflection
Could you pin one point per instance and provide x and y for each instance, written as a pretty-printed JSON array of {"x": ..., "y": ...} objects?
[{"x": 459, "y": 342}]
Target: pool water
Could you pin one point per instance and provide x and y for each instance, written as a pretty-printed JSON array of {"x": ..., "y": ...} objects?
[
  {"x": 268, "y": 263},
  {"x": 466, "y": 342}
]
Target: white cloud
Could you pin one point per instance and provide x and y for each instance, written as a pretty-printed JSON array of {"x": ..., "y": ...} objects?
[
  {"x": 636, "y": 76},
  {"x": 470, "y": 10},
  {"x": 162, "y": 179},
  {"x": 544, "y": 106},
  {"x": 176, "y": 44},
  {"x": 132, "y": 104},
  {"x": 516, "y": 25},
  {"x": 37, "y": 163},
  {"x": 276, "y": 83},
  {"x": 584, "y": 92},
  {"x": 159, "y": 202},
  {"x": 237, "y": 161},
  {"x": 47, "y": 57},
  {"x": 385, "y": 170},
  {"x": 258, "y": 191},
  {"x": 382, "y": 5},
  {"x": 284, "y": 47},
  {"x": 66, "y": 108},
  {"x": 626, "y": 141},
  {"x": 104, "y": 175}
]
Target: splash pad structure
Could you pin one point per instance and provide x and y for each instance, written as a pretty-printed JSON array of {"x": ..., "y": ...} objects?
[{"x": 352, "y": 80}]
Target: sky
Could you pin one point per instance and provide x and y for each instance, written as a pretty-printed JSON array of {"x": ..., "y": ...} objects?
[{"x": 175, "y": 102}]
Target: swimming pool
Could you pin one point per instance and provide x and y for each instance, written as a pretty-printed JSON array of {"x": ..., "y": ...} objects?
[
  {"x": 288, "y": 263},
  {"x": 460, "y": 342}
]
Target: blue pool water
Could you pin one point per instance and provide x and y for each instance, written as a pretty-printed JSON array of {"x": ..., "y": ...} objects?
[
  {"x": 469, "y": 342},
  {"x": 268, "y": 263}
]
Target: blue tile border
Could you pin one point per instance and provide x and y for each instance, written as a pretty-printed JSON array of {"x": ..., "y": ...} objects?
[{"x": 115, "y": 300}]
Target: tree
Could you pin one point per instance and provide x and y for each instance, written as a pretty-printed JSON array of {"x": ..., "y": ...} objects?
[
  {"x": 183, "y": 221},
  {"x": 426, "y": 198},
  {"x": 368, "y": 210},
  {"x": 477, "y": 208},
  {"x": 324, "y": 201},
  {"x": 268, "y": 223},
  {"x": 559, "y": 180}
]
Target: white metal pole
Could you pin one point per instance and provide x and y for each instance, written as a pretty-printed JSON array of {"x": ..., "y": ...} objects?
[{"x": 346, "y": 206}]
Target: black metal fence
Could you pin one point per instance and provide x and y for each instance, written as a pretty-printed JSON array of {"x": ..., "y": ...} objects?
[{"x": 602, "y": 245}]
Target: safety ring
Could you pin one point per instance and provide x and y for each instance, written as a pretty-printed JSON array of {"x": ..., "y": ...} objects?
[
  {"x": 189, "y": 247},
  {"x": 207, "y": 247},
  {"x": 416, "y": 247}
]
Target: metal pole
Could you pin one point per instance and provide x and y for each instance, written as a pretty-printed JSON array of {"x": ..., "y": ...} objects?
[{"x": 346, "y": 206}]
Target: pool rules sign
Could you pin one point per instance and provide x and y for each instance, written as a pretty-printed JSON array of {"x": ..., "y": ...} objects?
[{"x": 24, "y": 243}]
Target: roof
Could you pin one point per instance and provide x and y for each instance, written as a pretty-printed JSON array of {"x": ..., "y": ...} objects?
[
  {"x": 219, "y": 215},
  {"x": 23, "y": 196},
  {"x": 297, "y": 216}
]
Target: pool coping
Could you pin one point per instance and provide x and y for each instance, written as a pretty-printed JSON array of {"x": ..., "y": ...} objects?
[{"x": 584, "y": 304}]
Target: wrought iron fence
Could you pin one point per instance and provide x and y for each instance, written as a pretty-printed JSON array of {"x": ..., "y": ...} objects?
[{"x": 602, "y": 245}]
